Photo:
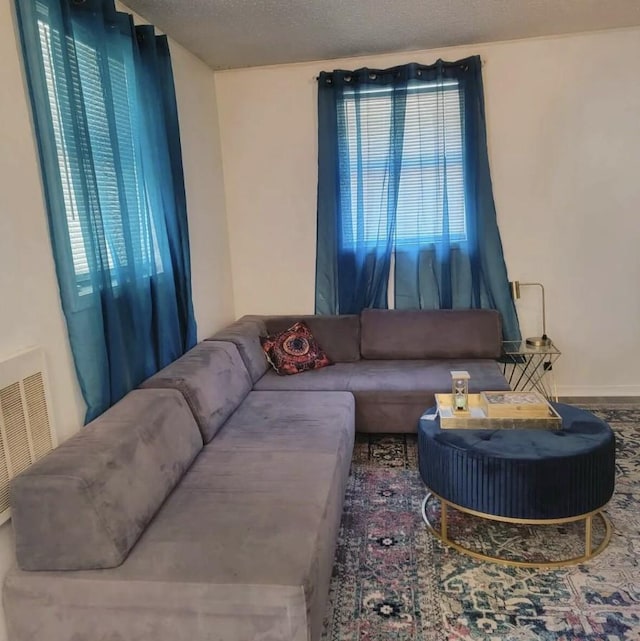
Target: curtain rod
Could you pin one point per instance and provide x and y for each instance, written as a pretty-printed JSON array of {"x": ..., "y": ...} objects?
[{"x": 482, "y": 60}]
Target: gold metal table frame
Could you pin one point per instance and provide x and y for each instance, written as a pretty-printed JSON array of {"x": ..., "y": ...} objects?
[
  {"x": 529, "y": 368},
  {"x": 589, "y": 551}
]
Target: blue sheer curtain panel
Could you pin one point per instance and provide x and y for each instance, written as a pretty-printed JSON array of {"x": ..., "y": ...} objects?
[
  {"x": 359, "y": 163},
  {"x": 107, "y": 131},
  {"x": 404, "y": 186}
]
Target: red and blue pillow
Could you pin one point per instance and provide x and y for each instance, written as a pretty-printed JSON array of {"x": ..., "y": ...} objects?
[{"x": 295, "y": 350}]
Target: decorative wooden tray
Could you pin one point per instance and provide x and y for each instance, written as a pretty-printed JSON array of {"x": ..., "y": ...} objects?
[{"x": 537, "y": 413}]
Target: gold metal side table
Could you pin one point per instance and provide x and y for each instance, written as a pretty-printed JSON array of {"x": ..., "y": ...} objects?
[{"x": 530, "y": 368}]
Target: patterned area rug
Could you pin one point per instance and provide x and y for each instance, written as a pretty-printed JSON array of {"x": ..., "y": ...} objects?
[{"x": 392, "y": 580}]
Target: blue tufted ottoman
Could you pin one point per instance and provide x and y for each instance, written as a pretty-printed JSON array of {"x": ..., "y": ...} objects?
[{"x": 525, "y": 476}]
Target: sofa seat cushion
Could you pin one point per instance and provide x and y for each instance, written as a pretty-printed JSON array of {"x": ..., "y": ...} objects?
[
  {"x": 213, "y": 379},
  {"x": 243, "y": 546},
  {"x": 391, "y": 395},
  {"x": 334, "y": 378},
  {"x": 390, "y": 376},
  {"x": 85, "y": 504}
]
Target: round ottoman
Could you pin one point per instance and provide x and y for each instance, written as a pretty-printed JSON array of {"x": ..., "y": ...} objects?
[{"x": 531, "y": 476}]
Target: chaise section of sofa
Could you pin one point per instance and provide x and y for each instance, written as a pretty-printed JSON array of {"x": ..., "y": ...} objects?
[
  {"x": 242, "y": 549},
  {"x": 238, "y": 546}
]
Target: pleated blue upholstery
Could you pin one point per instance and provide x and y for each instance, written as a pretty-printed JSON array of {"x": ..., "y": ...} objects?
[{"x": 522, "y": 473}]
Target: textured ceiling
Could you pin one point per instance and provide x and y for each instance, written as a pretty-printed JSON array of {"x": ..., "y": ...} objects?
[{"x": 244, "y": 33}]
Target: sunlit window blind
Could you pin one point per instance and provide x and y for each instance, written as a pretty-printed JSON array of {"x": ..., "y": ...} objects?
[
  {"x": 430, "y": 206},
  {"x": 108, "y": 223}
]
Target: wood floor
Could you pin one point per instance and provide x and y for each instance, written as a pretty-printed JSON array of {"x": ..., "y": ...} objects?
[{"x": 611, "y": 401}]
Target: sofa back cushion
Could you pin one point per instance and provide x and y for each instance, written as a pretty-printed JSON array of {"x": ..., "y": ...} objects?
[
  {"x": 338, "y": 336},
  {"x": 245, "y": 335},
  {"x": 84, "y": 505},
  {"x": 418, "y": 334},
  {"x": 213, "y": 379}
]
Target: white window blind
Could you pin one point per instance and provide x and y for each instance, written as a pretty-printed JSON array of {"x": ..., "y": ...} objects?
[
  {"x": 430, "y": 206},
  {"x": 120, "y": 234},
  {"x": 51, "y": 47}
]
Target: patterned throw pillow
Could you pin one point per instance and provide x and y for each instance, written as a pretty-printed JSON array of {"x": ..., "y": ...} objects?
[{"x": 295, "y": 350}]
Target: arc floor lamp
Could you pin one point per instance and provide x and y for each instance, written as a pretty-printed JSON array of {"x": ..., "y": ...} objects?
[{"x": 534, "y": 341}]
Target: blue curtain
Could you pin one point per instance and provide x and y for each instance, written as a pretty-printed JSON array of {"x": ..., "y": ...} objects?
[
  {"x": 356, "y": 210},
  {"x": 423, "y": 197},
  {"x": 106, "y": 125}
]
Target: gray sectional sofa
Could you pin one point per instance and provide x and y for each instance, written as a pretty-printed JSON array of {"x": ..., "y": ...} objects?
[{"x": 205, "y": 505}]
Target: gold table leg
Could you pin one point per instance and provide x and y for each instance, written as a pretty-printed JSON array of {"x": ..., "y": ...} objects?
[
  {"x": 588, "y": 533},
  {"x": 443, "y": 521},
  {"x": 443, "y": 534}
]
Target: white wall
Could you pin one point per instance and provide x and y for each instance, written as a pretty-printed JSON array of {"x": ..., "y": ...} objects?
[
  {"x": 564, "y": 146},
  {"x": 30, "y": 312},
  {"x": 202, "y": 158}
]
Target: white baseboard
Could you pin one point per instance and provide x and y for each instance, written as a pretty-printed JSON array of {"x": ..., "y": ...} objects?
[{"x": 599, "y": 390}]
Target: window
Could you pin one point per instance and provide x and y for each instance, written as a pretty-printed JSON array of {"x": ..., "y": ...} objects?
[
  {"x": 430, "y": 206},
  {"x": 109, "y": 224}
]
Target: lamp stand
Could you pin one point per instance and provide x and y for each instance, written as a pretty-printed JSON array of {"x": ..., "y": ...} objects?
[{"x": 533, "y": 341}]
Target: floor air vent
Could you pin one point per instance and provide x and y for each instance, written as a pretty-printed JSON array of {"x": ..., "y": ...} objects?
[{"x": 26, "y": 429}]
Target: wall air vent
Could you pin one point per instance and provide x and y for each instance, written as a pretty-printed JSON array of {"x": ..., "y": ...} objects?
[{"x": 26, "y": 427}]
